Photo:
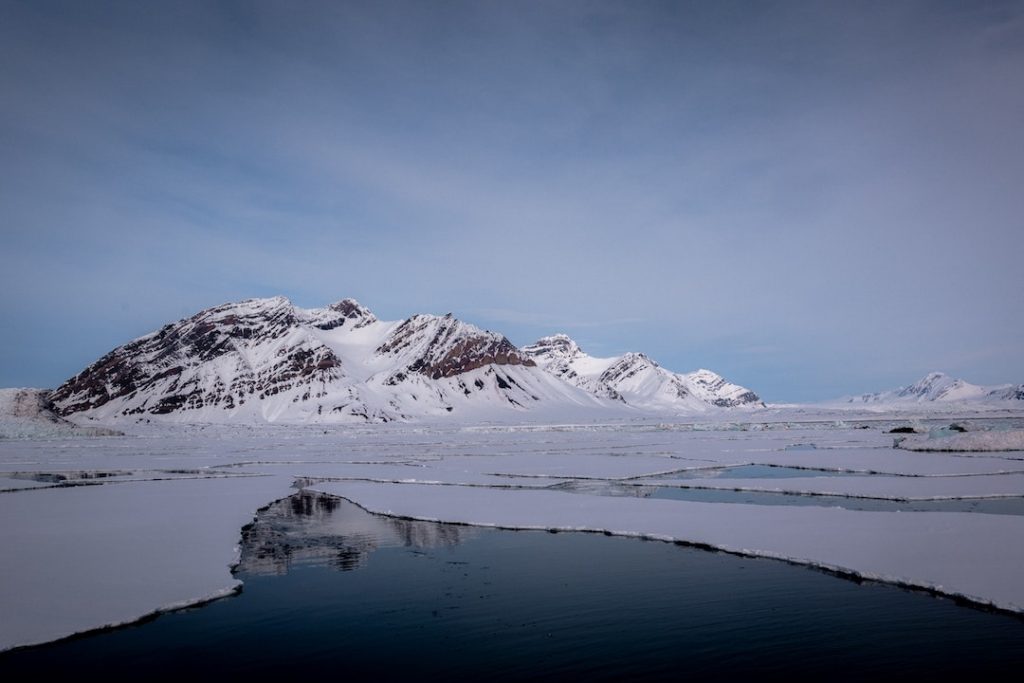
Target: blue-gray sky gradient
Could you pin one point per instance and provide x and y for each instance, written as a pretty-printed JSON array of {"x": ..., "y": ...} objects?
[{"x": 813, "y": 199}]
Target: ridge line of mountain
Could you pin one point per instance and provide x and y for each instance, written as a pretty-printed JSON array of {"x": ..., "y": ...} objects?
[
  {"x": 269, "y": 359},
  {"x": 939, "y": 387}
]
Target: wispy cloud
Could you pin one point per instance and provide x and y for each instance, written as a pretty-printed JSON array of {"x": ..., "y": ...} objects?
[{"x": 835, "y": 186}]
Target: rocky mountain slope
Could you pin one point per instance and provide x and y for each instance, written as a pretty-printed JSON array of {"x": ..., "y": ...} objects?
[
  {"x": 636, "y": 380},
  {"x": 266, "y": 359}
]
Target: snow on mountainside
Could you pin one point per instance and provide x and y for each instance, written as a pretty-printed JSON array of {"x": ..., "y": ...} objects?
[
  {"x": 937, "y": 387},
  {"x": 636, "y": 380},
  {"x": 266, "y": 359}
]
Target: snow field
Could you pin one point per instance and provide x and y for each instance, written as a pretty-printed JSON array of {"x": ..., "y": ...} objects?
[{"x": 150, "y": 521}]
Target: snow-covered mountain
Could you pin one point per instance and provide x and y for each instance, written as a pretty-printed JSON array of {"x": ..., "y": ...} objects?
[
  {"x": 636, "y": 380},
  {"x": 937, "y": 387},
  {"x": 266, "y": 359}
]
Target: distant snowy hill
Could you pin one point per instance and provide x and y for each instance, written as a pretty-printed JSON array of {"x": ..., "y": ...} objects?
[
  {"x": 636, "y": 380},
  {"x": 939, "y": 388},
  {"x": 266, "y": 359}
]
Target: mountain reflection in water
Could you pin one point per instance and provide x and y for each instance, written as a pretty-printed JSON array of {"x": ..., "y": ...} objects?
[{"x": 313, "y": 528}]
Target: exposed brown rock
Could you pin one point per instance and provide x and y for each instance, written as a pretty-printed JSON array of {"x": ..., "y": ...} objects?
[
  {"x": 451, "y": 347},
  {"x": 163, "y": 363}
]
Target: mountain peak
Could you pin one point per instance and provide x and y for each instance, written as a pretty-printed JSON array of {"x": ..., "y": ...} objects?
[
  {"x": 938, "y": 387},
  {"x": 636, "y": 379},
  {"x": 706, "y": 376},
  {"x": 556, "y": 346},
  {"x": 932, "y": 386},
  {"x": 638, "y": 357},
  {"x": 354, "y": 311}
]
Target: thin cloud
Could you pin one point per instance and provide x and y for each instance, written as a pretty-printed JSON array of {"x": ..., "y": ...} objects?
[{"x": 835, "y": 186}]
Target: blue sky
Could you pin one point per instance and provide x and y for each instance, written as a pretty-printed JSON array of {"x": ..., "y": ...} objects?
[{"x": 813, "y": 199}]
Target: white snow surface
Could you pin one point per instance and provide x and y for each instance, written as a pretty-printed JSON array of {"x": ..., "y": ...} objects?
[
  {"x": 85, "y": 557},
  {"x": 881, "y": 487},
  {"x": 148, "y": 521},
  {"x": 977, "y": 442}
]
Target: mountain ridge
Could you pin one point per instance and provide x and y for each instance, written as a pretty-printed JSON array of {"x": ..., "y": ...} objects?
[
  {"x": 637, "y": 380},
  {"x": 267, "y": 359},
  {"x": 939, "y": 388}
]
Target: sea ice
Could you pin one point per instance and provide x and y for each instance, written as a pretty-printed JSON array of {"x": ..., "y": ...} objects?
[
  {"x": 148, "y": 521},
  {"x": 990, "y": 441},
  {"x": 84, "y": 557},
  {"x": 877, "y": 486}
]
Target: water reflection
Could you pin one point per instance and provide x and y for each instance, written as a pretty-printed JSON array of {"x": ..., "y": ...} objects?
[{"x": 313, "y": 528}]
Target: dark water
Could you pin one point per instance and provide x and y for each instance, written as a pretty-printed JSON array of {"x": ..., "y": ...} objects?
[{"x": 333, "y": 591}]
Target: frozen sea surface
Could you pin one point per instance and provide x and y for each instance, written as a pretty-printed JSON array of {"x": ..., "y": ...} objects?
[
  {"x": 333, "y": 590},
  {"x": 128, "y": 526}
]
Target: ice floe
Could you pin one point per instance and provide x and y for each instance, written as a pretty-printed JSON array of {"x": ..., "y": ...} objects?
[
  {"x": 977, "y": 442},
  {"x": 85, "y": 557}
]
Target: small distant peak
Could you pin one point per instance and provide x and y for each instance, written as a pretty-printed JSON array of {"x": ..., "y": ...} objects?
[
  {"x": 560, "y": 344},
  {"x": 266, "y": 302},
  {"x": 247, "y": 307},
  {"x": 932, "y": 381},
  {"x": 347, "y": 313},
  {"x": 352, "y": 309},
  {"x": 638, "y": 357},
  {"x": 423, "y": 323},
  {"x": 560, "y": 339},
  {"x": 427, "y": 318}
]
